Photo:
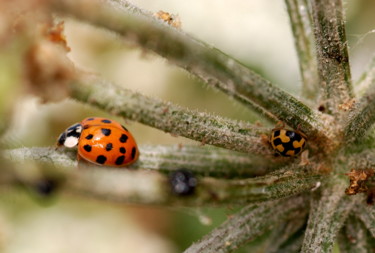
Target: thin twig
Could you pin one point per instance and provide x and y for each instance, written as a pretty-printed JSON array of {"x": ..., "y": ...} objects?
[
  {"x": 327, "y": 216},
  {"x": 251, "y": 222},
  {"x": 332, "y": 51},
  {"x": 203, "y": 127},
  {"x": 300, "y": 19},
  {"x": 203, "y": 61}
]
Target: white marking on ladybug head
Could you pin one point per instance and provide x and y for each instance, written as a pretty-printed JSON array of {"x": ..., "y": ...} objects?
[
  {"x": 70, "y": 137},
  {"x": 71, "y": 142}
]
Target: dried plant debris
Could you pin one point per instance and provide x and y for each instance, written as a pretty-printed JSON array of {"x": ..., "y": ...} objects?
[
  {"x": 171, "y": 19},
  {"x": 358, "y": 178}
]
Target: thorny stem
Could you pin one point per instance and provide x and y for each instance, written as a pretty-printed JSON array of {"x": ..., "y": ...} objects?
[
  {"x": 205, "y": 62},
  {"x": 332, "y": 52},
  {"x": 128, "y": 185},
  {"x": 171, "y": 118},
  {"x": 300, "y": 19},
  {"x": 251, "y": 222},
  {"x": 327, "y": 215}
]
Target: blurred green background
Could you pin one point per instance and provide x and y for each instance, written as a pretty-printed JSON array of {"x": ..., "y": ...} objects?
[{"x": 256, "y": 32}]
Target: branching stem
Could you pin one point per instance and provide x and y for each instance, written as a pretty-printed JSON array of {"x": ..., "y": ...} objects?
[{"x": 203, "y": 61}]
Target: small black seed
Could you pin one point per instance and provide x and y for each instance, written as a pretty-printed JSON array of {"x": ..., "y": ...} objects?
[
  {"x": 122, "y": 150},
  {"x": 123, "y": 138},
  {"x": 134, "y": 151},
  {"x": 106, "y": 121},
  {"x": 109, "y": 147},
  {"x": 124, "y": 128},
  {"x": 89, "y": 137},
  {"x": 120, "y": 160},
  {"x": 106, "y": 131},
  {"x": 101, "y": 159},
  {"x": 87, "y": 148}
]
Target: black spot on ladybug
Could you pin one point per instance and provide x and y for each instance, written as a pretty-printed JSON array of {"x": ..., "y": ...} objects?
[
  {"x": 106, "y": 131},
  {"x": 90, "y": 119},
  {"x": 89, "y": 137},
  {"x": 109, "y": 147},
  {"x": 123, "y": 138},
  {"x": 106, "y": 121},
  {"x": 124, "y": 128},
  {"x": 277, "y": 142},
  {"x": 87, "y": 148},
  {"x": 276, "y": 133},
  {"x": 120, "y": 160},
  {"x": 183, "y": 182},
  {"x": 122, "y": 150},
  {"x": 101, "y": 159},
  {"x": 134, "y": 151}
]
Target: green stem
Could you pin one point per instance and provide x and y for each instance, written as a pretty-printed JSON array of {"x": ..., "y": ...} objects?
[
  {"x": 284, "y": 233},
  {"x": 327, "y": 216},
  {"x": 122, "y": 185},
  {"x": 251, "y": 222},
  {"x": 332, "y": 51},
  {"x": 366, "y": 79},
  {"x": 367, "y": 215},
  {"x": 362, "y": 117},
  {"x": 203, "y": 127},
  {"x": 354, "y": 237},
  {"x": 300, "y": 19},
  {"x": 203, "y": 61},
  {"x": 204, "y": 161}
]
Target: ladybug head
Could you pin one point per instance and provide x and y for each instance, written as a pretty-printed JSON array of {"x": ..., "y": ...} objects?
[{"x": 70, "y": 137}]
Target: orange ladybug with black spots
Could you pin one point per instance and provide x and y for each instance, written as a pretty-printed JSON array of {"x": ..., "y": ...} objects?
[{"x": 101, "y": 141}]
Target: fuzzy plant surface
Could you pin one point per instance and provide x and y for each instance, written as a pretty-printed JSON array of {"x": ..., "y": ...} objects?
[{"x": 308, "y": 203}]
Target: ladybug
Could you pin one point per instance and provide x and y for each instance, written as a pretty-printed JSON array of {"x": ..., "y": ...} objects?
[
  {"x": 286, "y": 142},
  {"x": 101, "y": 141},
  {"x": 182, "y": 182}
]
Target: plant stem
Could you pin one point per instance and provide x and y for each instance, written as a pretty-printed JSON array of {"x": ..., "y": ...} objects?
[
  {"x": 122, "y": 185},
  {"x": 171, "y": 118},
  {"x": 251, "y": 222},
  {"x": 367, "y": 215},
  {"x": 203, "y": 61},
  {"x": 332, "y": 52},
  {"x": 354, "y": 237},
  {"x": 327, "y": 215},
  {"x": 366, "y": 80},
  {"x": 300, "y": 19},
  {"x": 362, "y": 117},
  {"x": 203, "y": 161},
  {"x": 283, "y": 233}
]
